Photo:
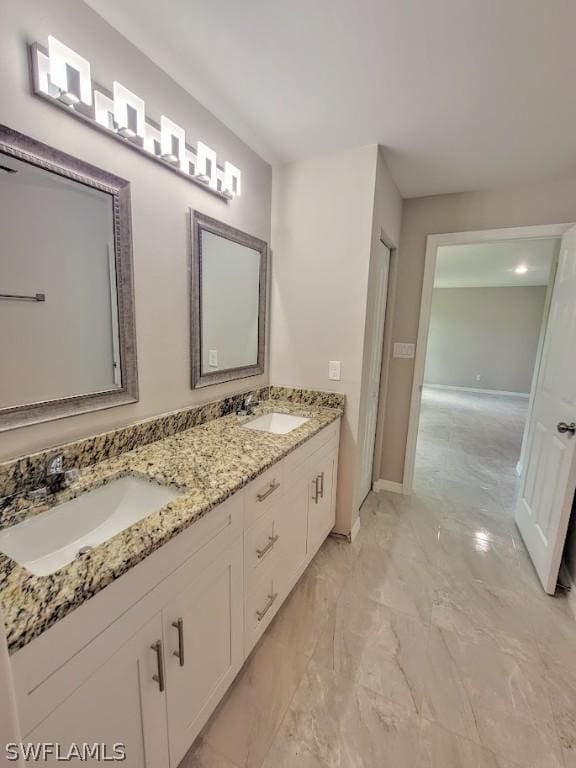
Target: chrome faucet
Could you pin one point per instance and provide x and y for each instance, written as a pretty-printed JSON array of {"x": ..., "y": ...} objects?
[
  {"x": 247, "y": 408},
  {"x": 55, "y": 476}
]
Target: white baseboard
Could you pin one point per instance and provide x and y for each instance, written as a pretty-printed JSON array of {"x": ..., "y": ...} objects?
[
  {"x": 503, "y": 392},
  {"x": 355, "y": 530},
  {"x": 388, "y": 485}
]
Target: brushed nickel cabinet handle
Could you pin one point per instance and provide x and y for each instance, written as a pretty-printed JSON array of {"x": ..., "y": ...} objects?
[
  {"x": 159, "y": 678},
  {"x": 272, "y": 487},
  {"x": 321, "y": 485},
  {"x": 316, "y": 494},
  {"x": 271, "y": 541},
  {"x": 179, "y": 625},
  {"x": 269, "y": 604}
]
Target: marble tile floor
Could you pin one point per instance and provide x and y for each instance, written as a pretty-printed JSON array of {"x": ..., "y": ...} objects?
[{"x": 428, "y": 643}]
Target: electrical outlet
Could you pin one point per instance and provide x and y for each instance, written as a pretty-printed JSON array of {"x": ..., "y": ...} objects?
[
  {"x": 478, "y": 377},
  {"x": 213, "y": 358},
  {"x": 334, "y": 369},
  {"x": 404, "y": 349}
]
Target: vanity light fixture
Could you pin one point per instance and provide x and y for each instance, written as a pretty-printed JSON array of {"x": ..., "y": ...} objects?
[
  {"x": 521, "y": 269},
  {"x": 69, "y": 73},
  {"x": 128, "y": 112},
  {"x": 206, "y": 165},
  {"x": 232, "y": 180},
  {"x": 172, "y": 142},
  {"x": 63, "y": 77},
  {"x": 104, "y": 111}
]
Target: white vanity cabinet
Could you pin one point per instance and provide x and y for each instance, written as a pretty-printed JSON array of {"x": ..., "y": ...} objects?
[
  {"x": 119, "y": 704},
  {"x": 145, "y": 662},
  {"x": 282, "y": 538}
]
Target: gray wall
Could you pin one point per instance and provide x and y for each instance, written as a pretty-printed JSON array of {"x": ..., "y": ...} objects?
[
  {"x": 546, "y": 203},
  {"x": 488, "y": 332},
  {"x": 322, "y": 236},
  {"x": 159, "y": 201}
]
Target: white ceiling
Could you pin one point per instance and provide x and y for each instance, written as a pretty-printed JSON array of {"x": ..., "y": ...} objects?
[
  {"x": 464, "y": 94},
  {"x": 493, "y": 264}
]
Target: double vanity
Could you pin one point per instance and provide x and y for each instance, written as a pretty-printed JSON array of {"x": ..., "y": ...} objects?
[
  {"x": 197, "y": 538},
  {"x": 140, "y": 566}
]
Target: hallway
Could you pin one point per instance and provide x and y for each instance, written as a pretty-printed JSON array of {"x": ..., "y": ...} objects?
[{"x": 429, "y": 642}]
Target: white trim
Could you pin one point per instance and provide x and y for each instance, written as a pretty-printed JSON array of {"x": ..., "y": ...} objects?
[
  {"x": 355, "y": 530},
  {"x": 433, "y": 242},
  {"x": 536, "y": 372},
  {"x": 503, "y": 392},
  {"x": 388, "y": 485}
]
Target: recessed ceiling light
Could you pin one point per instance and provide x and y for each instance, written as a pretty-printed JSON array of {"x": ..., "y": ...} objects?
[{"x": 521, "y": 269}]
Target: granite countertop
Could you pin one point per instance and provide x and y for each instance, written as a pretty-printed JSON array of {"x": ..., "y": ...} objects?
[{"x": 210, "y": 462}]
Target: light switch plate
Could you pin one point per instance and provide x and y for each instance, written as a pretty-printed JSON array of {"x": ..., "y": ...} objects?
[
  {"x": 213, "y": 358},
  {"x": 334, "y": 368},
  {"x": 404, "y": 349}
]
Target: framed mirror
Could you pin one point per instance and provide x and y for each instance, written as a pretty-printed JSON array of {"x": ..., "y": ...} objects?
[
  {"x": 228, "y": 317},
  {"x": 67, "y": 333}
]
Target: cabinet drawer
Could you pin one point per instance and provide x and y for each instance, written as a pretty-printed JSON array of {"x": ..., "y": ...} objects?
[
  {"x": 279, "y": 533},
  {"x": 263, "y": 493},
  {"x": 263, "y": 601}
]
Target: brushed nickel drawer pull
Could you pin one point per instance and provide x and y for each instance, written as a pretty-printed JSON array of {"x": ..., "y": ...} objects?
[
  {"x": 271, "y": 541},
  {"x": 322, "y": 485},
  {"x": 269, "y": 604},
  {"x": 159, "y": 678},
  {"x": 273, "y": 487},
  {"x": 179, "y": 625}
]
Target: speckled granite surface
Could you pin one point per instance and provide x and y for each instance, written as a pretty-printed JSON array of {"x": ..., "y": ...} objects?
[
  {"x": 210, "y": 462},
  {"x": 27, "y": 472}
]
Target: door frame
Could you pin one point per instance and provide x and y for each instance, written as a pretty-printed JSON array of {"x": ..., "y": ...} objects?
[
  {"x": 433, "y": 242},
  {"x": 377, "y": 347}
]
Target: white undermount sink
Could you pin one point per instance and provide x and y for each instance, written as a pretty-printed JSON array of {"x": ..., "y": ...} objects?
[
  {"x": 277, "y": 423},
  {"x": 47, "y": 542}
]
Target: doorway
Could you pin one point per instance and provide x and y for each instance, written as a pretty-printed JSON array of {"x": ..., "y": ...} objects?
[
  {"x": 484, "y": 314},
  {"x": 375, "y": 330}
]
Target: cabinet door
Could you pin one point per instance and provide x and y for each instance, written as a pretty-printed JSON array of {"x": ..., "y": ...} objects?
[
  {"x": 293, "y": 528},
  {"x": 320, "y": 507},
  {"x": 121, "y": 703},
  {"x": 203, "y": 632}
]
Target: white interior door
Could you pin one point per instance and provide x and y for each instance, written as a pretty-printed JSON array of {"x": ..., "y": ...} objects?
[
  {"x": 375, "y": 365},
  {"x": 549, "y": 479}
]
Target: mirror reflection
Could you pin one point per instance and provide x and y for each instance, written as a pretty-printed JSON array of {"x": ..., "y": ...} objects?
[
  {"x": 58, "y": 302},
  {"x": 229, "y": 303}
]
